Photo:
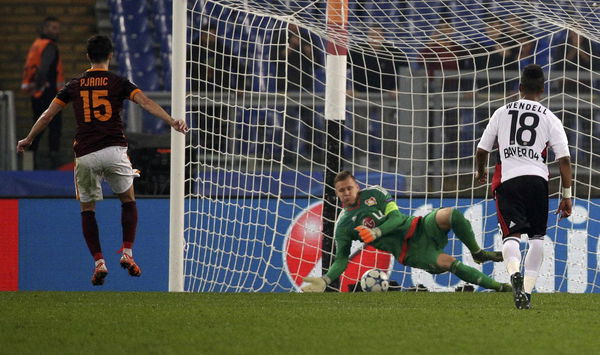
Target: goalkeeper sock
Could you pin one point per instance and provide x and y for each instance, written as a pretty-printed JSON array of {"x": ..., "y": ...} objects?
[
  {"x": 512, "y": 254},
  {"x": 463, "y": 231},
  {"x": 91, "y": 233},
  {"x": 533, "y": 263},
  {"x": 129, "y": 219},
  {"x": 474, "y": 276}
]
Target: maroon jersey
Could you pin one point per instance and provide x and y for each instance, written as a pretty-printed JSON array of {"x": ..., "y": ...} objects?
[{"x": 97, "y": 97}]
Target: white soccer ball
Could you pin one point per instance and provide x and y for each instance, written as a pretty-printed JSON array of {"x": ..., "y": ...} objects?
[{"x": 374, "y": 280}]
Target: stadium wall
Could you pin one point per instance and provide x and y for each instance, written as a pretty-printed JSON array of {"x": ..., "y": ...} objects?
[{"x": 41, "y": 246}]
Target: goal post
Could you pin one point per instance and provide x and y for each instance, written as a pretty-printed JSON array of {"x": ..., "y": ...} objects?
[
  {"x": 177, "y": 175},
  {"x": 335, "y": 114},
  {"x": 281, "y": 95}
]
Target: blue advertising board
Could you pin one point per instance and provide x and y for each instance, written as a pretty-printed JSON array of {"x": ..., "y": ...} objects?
[
  {"x": 267, "y": 245},
  {"x": 53, "y": 254}
]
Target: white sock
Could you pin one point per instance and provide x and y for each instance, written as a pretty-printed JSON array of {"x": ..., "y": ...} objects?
[
  {"x": 533, "y": 263},
  {"x": 128, "y": 251},
  {"x": 99, "y": 261},
  {"x": 511, "y": 251}
]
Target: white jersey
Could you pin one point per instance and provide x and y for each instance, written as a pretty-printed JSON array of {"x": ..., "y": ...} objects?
[{"x": 524, "y": 129}]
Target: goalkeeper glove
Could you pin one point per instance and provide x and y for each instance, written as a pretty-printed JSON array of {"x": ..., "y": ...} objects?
[
  {"x": 368, "y": 234},
  {"x": 315, "y": 284}
]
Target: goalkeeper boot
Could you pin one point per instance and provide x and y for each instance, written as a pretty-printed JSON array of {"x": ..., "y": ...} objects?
[
  {"x": 483, "y": 256},
  {"x": 520, "y": 297},
  {"x": 128, "y": 263},
  {"x": 100, "y": 273}
]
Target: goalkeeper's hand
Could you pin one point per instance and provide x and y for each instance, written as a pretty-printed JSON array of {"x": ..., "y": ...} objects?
[
  {"x": 315, "y": 284},
  {"x": 368, "y": 234}
]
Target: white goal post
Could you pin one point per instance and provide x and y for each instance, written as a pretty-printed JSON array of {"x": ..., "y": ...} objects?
[
  {"x": 280, "y": 95},
  {"x": 177, "y": 176}
]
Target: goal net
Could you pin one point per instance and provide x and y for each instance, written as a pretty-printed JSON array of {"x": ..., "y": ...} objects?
[{"x": 422, "y": 79}]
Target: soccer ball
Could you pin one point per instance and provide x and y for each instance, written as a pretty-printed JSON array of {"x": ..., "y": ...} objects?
[{"x": 374, "y": 280}]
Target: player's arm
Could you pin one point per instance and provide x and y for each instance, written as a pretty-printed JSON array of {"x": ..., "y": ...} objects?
[
  {"x": 565, "y": 205},
  {"x": 318, "y": 284},
  {"x": 484, "y": 147},
  {"x": 394, "y": 220},
  {"x": 559, "y": 144},
  {"x": 39, "y": 125},
  {"x": 564, "y": 208},
  {"x": 481, "y": 159},
  {"x": 152, "y": 107}
]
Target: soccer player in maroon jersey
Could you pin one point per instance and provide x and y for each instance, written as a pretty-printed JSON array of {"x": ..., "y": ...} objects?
[{"x": 101, "y": 147}]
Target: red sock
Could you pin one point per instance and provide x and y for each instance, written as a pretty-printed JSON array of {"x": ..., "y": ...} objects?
[
  {"x": 129, "y": 217},
  {"x": 91, "y": 234}
]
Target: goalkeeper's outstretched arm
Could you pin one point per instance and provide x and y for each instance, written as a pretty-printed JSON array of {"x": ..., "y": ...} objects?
[{"x": 319, "y": 284}]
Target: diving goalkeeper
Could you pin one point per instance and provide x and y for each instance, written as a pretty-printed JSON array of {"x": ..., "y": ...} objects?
[{"x": 371, "y": 215}]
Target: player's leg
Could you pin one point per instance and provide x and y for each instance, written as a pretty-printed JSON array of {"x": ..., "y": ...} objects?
[
  {"x": 538, "y": 219},
  {"x": 533, "y": 263},
  {"x": 512, "y": 217},
  {"x": 426, "y": 252},
  {"x": 120, "y": 177},
  {"x": 129, "y": 218},
  {"x": 511, "y": 249},
  {"x": 87, "y": 184},
  {"x": 92, "y": 239},
  {"x": 451, "y": 218},
  {"x": 469, "y": 274}
]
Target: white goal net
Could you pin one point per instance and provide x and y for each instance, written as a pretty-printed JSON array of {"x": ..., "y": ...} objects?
[{"x": 422, "y": 79}]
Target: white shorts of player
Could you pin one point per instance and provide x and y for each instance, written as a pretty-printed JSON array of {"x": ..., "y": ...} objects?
[{"x": 111, "y": 164}]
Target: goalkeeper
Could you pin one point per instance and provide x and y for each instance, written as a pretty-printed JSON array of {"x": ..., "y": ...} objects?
[{"x": 371, "y": 215}]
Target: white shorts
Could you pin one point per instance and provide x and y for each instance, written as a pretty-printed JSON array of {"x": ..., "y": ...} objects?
[{"x": 111, "y": 164}]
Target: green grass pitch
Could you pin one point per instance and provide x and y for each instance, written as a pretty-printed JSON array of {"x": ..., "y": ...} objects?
[{"x": 269, "y": 323}]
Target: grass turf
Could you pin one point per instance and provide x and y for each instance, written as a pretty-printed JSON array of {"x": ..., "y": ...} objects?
[{"x": 331, "y": 323}]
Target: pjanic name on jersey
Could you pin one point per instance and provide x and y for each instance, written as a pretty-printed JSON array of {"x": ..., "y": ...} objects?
[{"x": 93, "y": 81}]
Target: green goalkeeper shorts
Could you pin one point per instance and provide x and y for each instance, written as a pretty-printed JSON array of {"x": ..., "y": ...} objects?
[{"x": 426, "y": 245}]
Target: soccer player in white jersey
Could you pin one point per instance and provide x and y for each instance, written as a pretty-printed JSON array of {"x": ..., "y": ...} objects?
[{"x": 523, "y": 130}]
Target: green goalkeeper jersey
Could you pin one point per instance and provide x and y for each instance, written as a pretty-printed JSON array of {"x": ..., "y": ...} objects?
[{"x": 375, "y": 208}]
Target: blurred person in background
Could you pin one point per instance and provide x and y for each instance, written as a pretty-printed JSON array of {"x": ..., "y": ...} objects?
[{"x": 42, "y": 78}]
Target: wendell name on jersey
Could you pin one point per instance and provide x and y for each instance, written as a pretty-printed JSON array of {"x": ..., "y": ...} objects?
[{"x": 520, "y": 105}]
